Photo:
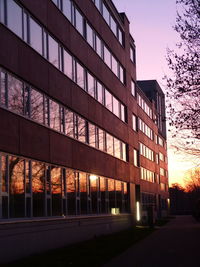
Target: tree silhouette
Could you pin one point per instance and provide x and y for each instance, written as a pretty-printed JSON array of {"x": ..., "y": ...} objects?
[{"x": 184, "y": 83}]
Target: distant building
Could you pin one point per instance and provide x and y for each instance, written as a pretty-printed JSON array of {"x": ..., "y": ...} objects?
[{"x": 83, "y": 146}]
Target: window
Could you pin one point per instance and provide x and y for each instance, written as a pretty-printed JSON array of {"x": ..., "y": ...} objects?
[
  {"x": 116, "y": 107},
  {"x": 121, "y": 74},
  {"x": 3, "y": 89},
  {"x": 67, "y": 9},
  {"x": 133, "y": 88},
  {"x": 80, "y": 75},
  {"x": 157, "y": 159},
  {"x": 100, "y": 93},
  {"x": 92, "y": 135},
  {"x": 37, "y": 107},
  {"x": 162, "y": 172},
  {"x": 81, "y": 124},
  {"x": 56, "y": 190},
  {"x": 136, "y": 157},
  {"x": 69, "y": 123},
  {"x": 120, "y": 36},
  {"x": 117, "y": 149},
  {"x": 107, "y": 57},
  {"x": 113, "y": 25},
  {"x": 146, "y": 152},
  {"x": 90, "y": 84},
  {"x": 53, "y": 52},
  {"x": 79, "y": 21},
  {"x": 54, "y": 115},
  {"x": 38, "y": 188},
  {"x": 160, "y": 141},
  {"x": 161, "y": 156},
  {"x": 36, "y": 36},
  {"x": 14, "y": 17},
  {"x": 109, "y": 144},
  {"x": 123, "y": 153},
  {"x": 15, "y": 95},
  {"x": 123, "y": 117},
  {"x": 17, "y": 199},
  {"x": 98, "y": 46},
  {"x": 108, "y": 100},
  {"x": 106, "y": 14},
  {"x": 68, "y": 64},
  {"x": 101, "y": 135},
  {"x": 134, "y": 122},
  {"x": 132, "y": 54},
  {"x": 90, "y": 35},
  {"x": 115, "y": 66}
]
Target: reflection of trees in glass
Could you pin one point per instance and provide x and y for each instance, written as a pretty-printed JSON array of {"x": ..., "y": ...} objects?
[
  {"x": 4, "y": 174},
  {"x": 80, "y": 75},
  {"x": 81, "y": 124},
  {"x": 16, "y": 174},
  {"x": 3, "y": 96},
  {"x": 15, "y": 95},
  {"x": 109, "y": 143},
  {"x": 92, "y": 135},
  {"x": 38, "y": 177},
  {"x": 37, "y": 107},
  {"x": 117, "y": 148},
  {"x": 90, "y": 84},
  {"x": 69, "y": 123},
  {"x": 55, "y": 180},
  {"x": 54, "y": 115}
]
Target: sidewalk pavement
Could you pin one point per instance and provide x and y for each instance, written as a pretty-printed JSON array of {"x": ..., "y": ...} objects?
[{"x": 177, "y": 244}]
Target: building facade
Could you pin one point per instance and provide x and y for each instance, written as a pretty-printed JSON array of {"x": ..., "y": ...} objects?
[{"x": 82, "y": 143}]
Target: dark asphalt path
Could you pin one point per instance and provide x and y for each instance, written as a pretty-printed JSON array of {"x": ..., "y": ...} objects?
[{"x": 175, "y": 244}]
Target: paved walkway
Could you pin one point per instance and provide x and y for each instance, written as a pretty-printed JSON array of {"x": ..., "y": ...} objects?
[{"x": 177, "y": 244}]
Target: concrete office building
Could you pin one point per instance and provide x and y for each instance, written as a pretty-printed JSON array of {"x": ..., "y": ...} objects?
[{"x": 82, "y": 144}]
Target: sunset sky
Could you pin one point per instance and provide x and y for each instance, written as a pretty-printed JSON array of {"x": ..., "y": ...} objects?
[{"x": 151, "y": 26}]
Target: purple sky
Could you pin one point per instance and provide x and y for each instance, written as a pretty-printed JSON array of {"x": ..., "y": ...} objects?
[{"x": 151, "y": 24}]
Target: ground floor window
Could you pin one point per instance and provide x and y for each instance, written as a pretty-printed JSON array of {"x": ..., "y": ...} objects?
[{"x": 31, "y": 188}]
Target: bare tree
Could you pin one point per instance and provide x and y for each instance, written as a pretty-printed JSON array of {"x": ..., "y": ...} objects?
[{"x": 184, "y": 83}]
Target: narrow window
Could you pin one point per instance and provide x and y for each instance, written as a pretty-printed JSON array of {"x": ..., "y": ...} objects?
[
  {"x": 14, "y": 17},
  {"x": 80, "y": 75},
  {"x": 90, "y": 84},
  {"x": 81, "y": 123},
  {"x": 54, "y": 115},
  {"x": 109, "y": 144},
  {"x": 36, "y": 36},
  {"x": 78, "y": 21},
  {"x": 107, "y": 57},
  {"x": 67, "y": 9},
  {"x": 115, "y": 66},
  {"x": 90, "y": 35},
  {"x": 15, "y": 95},
  {"x": 53, "y": 52},
  {"x": 36, "y": 106},
  {"x": 100, "y": 93},
  {"x": 106, "y": 14},
  {"x": 116, "y": 107},
  {"x": 108, "y": 100},
  {"x": 3, "y": 89},
  {"x": 68, "y": 64},
  {"x": 92, "y": 135}
]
